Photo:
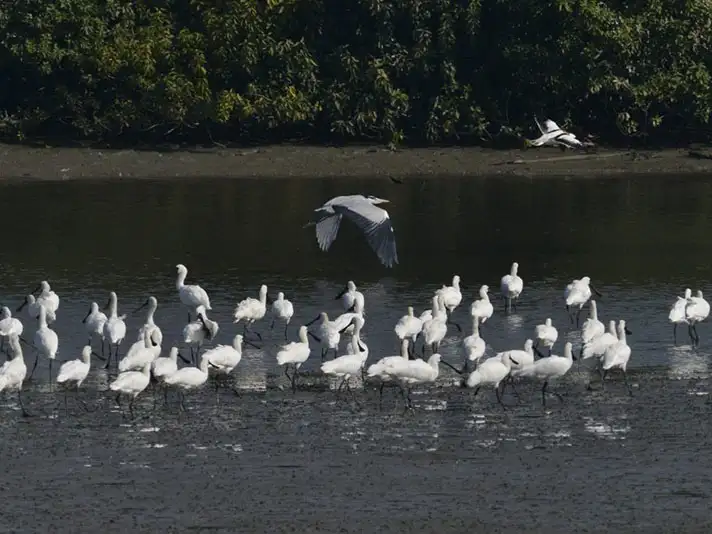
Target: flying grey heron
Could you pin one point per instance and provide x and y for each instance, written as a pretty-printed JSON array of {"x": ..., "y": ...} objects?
[
  {"x": 552, "y": 134},
  {"x": 362, "y": 211}
]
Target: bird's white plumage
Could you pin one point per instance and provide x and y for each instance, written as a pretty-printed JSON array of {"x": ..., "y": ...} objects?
[
  {"x": 328, "y": 333},
  {"x": 451, "y": 296},
  {"x": 597, "y": 346},
  {"x": 578, "y": 292},
  {"x": 282, "y": 309},
  {"x": 224, "y": 358},
  {"x": 546, "y": 334},
  {"x": 378, "y": 369},
  {"x": 48, "y": 298},
  {"x": 677, "y": 311},
  {"x": 76, "y": 371},
  {"x": 552, "y": 134},
  {"x": 252, "y": 309},
  {"x": 697, "y": 309},
  {"x": 518, "y": 359},
  {"x": 482, "y": 308},
  {"x": 296, "y": 352},
  {"x": 373, "y": 221},
  {"x": 14, "y": 371},
  {"x": 140, "y": 353},
  {"x": 435, "y": 329},
  {"x": 551, "y": 367},
  {"x": 410, "y": 372},
  {"x": 352, "y": 296},
  {"x": 165, "y": 366},
  {"x": 9, "y": 325},
  {"x": 344, "y": 322},
  {"x": 592, "y": 327},
  {"x": 94, "y": 322},
  {"x": 202, "y": 329},
  {"x": 154, "y": 330},
  {"x": 512, "y": 284},
  {"x": 189, "y": 378},
  {"x": 33, "y": 308},
  {"x": 114, "y": 327},
  {"x": 46, "y": 341},
  {"x": 473, "y": 345},
  {"x": 618, "y": 354},
  {"x": 191, "y": 296},
  {"x": 490, "y": 372},
  {"x": 409, "y": 326},
  {"x": 351, "y": 363},
  {"x": 132, "y": 383}
]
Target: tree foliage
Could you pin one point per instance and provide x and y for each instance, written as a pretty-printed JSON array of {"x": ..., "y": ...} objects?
[{"x": 417, "y": 71}]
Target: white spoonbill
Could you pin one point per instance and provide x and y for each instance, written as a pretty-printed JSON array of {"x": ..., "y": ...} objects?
[
  {"x": 373, "y": 221},
  {"x": 191, "y": 296},
  {"x": 344, "y": 322},
  {"x": 114, "y": 328},
  {"x": 46, "y": 342},
  {"x": 294, "y": 354},
  {"x": 617, "y": 357},
  {"x": 511, "y": 286},
  {"x": 576, "y": 294},
  {"x": 409, "y": 326},
  {"x": 597, "y": 347},
  {"x": 131, "y": 384},
  {"x": 187, "y": 379},
  {"x": 195, "y": 333},
  {"x": 473, "y": 345},
  {"x": 33, "y": 309},
  {"x": 592, "y": 327},
  {"x": 523, "y": 358},
  {"x": 697, "y": 310},
  {"x": 163, "y": 367},
  {"x": 94, "y": 322},
  {"x": 350, "y": 364},
  {"x": 411, "y": 372},
  {"x": 435, "y": 330},
  {"x": 482, "y": 308},
  {"x": 550, "y": 368},
  {"x": 9, "y": 325},
  {"x": 73, "y": 373},
  {"x": 677, "y": 313},
  {"x": 142, "y": 352},
  {"x": 327, "y": 335},
  {"x": 282, "y": 310},
  {"x": 13, "y": 372},
  {"x": 492, "y": 372},
  {"x": 451, "y": 297},
  {"x": 545, "y": 334},
  {"x": 350, "y": 296},
  {"x": 250, "y": 310},
  {"x": 150, "y": 324},
  {"x": 378, "y": 369},
  {"x": 224, "y": 358},
  {"x": 48, "y": 298}
]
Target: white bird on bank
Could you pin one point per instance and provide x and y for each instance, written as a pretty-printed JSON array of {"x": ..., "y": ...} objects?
[
  {"x": 131, "y": 384},
  {"x": 195, "y": 333},
  {"x": 696, "y": 311},
  {"x": 373, "y": 221},
  {"x": 114, "y": 328},
  {"x": 94, "y": 323},
  {"x": 592, "y": 327},
  {"x": 677, "y": 312},
  {"x": 546, "y": 334},
  {"x": 511, "y": 286},
  {"x": 250, "y": 310},
  {"x": 150, "y": 325},
  {"x": 409, "y": 326},
  {"x": 617, "y": 356},
  {"x": 552, "y": 134},
  {"x": 33, "y": 308},
  {"x": 411, "y": 372},
  {"x": 13, "y": 372},
  {"x": 550, "y": 368},
  {"x": 191, "y": 296},
  {"x": 46, "y": 342},
  {"x": 350, "y": 296},
  {"x": 294, "y": 354},
  {"x": 482, "y": 308},
  {"x": 188, "y": 379},
  {"x": 282, "y": 310}
]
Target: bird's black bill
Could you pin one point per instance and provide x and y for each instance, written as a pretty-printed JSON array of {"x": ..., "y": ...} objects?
[
  {"x": 458, "y": 371},
  {"x": 352, "y": 309},
  {"x": 361, "y": 347},
  {"x": 185, "y": 360},
  {"x": 86, "y": 316},
  {"x": 596, "y": 291},
  {"x": 344, "y": 329},
  {"x": 515, "y": 362},
  {"x": 313, "y": 320},
  {"x": 343, "y": 292},
  {"x": 142, "y": 306},
  {"x": 251, "y": 344},
  {"x": 37, "y": 289},
  {"x": 395, "y": 180},
  {"x": 21, "y": 306},
  {"x": 107, "y": 305},
  {"x": 628, "y": 332}
]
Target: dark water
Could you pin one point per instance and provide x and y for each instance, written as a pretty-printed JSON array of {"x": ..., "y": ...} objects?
[{"x": 270, "y": 461}]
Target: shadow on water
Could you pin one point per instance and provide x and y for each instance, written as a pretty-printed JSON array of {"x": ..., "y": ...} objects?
[{"x": 272, "y": 461}]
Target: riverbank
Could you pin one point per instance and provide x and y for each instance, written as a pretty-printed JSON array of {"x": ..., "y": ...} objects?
[{"x": 20, "y": 162}]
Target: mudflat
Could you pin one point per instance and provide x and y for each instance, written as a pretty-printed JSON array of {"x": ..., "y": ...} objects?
[{"x": 50, "y": 163}]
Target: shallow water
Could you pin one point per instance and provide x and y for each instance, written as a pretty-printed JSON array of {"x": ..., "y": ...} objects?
[{"x": 271, "y": 461}]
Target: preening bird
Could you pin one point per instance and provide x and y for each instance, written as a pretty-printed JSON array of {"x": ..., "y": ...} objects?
[{"x": 373, "y": 221}]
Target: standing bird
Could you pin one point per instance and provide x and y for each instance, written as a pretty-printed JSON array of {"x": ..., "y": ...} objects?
[
  {"x": 48, "y": 298},
  {"x": 282, "y": 310},
  {"x": 545, "y": 334},
  {"x": 576, "y": 294},
  {"x": 251, "y": 310},
  {"x": 350, "y": 296},
  {"x": 150, "y": 325},
  {"x": 409, "y": 326},
  {"x": 131, "y": 384},
  {"x": 327, "y": 335},
  {"x": 74, "y": 372},
  {"x": 197, "y": 332},
  {"x": 33, "y": 308},
  {"x": 492, "y": 372},
  {"x": 482, "y": 308},
  {"x": 451, "y": 297},
  {"x": 294, "y": 354},
  {"x": 187, "y": 379},
  {"x": 473, "y": 345},
  {"x": 9, "y": 325},
  {"x": 511, "y": 286},
  {"x": 191, "y": 296},
  {"x": 617, "y": 357},
  {"x": 411, "y": 372},
  {"x": 592, "y": 327},
  {"x": 378, "y": 369},
  {"x": 696, "y": 311},
  {"x": 94, "y": 324},
  {"x": 46, "y": 342},
  {"x": 677, "y": 313},
  {"x": 13, "y": 372},
  {"x": 161, "y": 368},
  {"x": 344, "y": 322},
  {"x": 224, "y": 358},
  {"x": 350, "y": 364},
  {"x": 373, "y": 221},
  {"x": 114, "y": 328},
  {"x": 139, "y": 354},
  {"x": 550, "y": 368},
  {"x": 435, "y": 329}
]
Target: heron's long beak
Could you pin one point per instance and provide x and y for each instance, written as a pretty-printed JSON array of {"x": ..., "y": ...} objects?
[
  {"x": 22, "y": 306},
  {"x": 142, "y": 306},
  {"x": 596, "y": 291},
  {"x": 87, "y": 316},
  {"x": 185, "y": 360},
  {"x": 343, "y": 292},
  {"x": 313, "y": 320}
]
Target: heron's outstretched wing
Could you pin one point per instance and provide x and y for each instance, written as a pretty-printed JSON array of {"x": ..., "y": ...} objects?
[
  {"x": 326, "y": 230},
  {"x": 376, "y": 224},
  {"x": 548, "y": 127}
]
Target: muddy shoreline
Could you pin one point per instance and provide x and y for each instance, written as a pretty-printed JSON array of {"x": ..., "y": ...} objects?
[{"x": 279, "y": 161}]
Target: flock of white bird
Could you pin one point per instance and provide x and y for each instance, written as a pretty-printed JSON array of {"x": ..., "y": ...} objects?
[{"x": 143, "y": 362}]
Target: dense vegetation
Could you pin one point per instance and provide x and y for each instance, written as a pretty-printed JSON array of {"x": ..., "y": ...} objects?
[{"x": 392, "y": 71}]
